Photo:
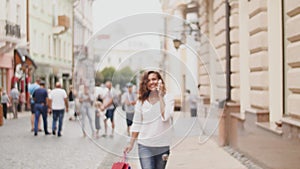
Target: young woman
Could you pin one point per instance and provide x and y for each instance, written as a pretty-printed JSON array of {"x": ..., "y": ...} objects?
[
  {"x": 151, "y": 124},
  {"x": 86, "y": 99}
]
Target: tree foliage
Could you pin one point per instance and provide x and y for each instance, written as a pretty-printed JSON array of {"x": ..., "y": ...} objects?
[
  {"x": 124, "y": 76},
  {"x": 104, "y": 75},
  {"x": 121, "y": 77}
]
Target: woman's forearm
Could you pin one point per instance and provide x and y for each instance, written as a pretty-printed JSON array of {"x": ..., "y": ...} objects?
[
  {"x": 129, "y": 147},
  {"x": 162, "y": 106},
  {"x": 134, "y": 136}
]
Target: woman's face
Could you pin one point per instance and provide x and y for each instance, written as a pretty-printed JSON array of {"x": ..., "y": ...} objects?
[{"x": 152, "y": 82}]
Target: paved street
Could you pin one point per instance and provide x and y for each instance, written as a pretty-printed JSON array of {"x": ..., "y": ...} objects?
[{"x": 20, "y": 149}]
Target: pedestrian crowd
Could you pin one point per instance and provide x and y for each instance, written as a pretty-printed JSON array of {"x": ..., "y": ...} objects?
[
  {"x": 87, "y": 104},
  {"x": 79, "y": 104},
  {"x": 15, "y": 101}
]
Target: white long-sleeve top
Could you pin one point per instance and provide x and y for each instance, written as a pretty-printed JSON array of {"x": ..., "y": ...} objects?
[{"x": 154, "y": 130}]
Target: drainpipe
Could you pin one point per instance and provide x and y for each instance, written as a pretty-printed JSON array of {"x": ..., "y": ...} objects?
[
  {"x": 27, "y": 22},
  {"x": 228, "y": 56},
  {"x": 73, "y": 57},
  {"x": 224, "y": 125},
  {"x": 27, "y": 95}
]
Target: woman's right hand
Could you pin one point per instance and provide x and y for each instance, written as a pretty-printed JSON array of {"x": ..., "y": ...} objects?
[{"x": 128, "y": 148}]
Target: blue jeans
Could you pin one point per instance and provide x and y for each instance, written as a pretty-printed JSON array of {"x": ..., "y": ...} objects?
[
  {"x": 40, "y": 109},
  {"x": 153, "y": 157},
  {"x": 58, "y": 114}
]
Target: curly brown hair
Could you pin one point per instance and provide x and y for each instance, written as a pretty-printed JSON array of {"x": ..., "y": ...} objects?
[{"x": 143, "y": 90}]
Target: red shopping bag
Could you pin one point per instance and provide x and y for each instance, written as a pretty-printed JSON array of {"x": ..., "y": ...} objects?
[{"x": 122, "y": 164}]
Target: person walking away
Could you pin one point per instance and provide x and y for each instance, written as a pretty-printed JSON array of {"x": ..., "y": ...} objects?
[
  {"x": 14, "y": 97},
  {"x": 40, "y": 97},
  {"x": 86, "y": 100},
  {"x": 98, "y": 114},
  {"x": 110, "y": 108},
  {"x": 129, "y": 100},
  {"x": 22, "y": 100},
  {"x": 192, "y": 99},
  {"x": 5, "y": 101},
  {"x": 58, "y": 102},
  {"x": 31, "y": 89},
  {"x": 77, "y": 91},
  {"x": 71, "y": 103},
  {"x": 151, "y": 123}
]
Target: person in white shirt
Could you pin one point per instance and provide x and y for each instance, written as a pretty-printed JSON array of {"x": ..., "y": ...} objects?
[
  {"x": 14, "y": 97},
  {"x": 108, "y": 105},
  {"x": 58, "y": 102},
  {"x": 129, "y": 100},
  {"x": 152, "y": 122}
]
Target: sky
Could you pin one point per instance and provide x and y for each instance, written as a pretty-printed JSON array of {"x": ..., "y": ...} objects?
[{"x": 107, "y": 11}]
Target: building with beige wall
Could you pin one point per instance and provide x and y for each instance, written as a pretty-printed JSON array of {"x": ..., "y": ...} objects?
[
  {"x": 12, "y": 36},
  {"x": 257, "y": 42},
  {"x": 83, "y": 25},
  {"x": 50, "y": 36}
]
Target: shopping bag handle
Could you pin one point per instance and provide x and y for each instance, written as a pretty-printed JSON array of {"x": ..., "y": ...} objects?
[{"x": 124, "y": 157}]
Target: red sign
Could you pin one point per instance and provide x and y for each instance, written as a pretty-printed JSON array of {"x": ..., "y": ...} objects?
[{"x": 103, "y": 36}]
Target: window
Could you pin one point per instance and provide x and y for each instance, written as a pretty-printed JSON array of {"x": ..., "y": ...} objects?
[
  {"x": 18, "y": 14},
  {"x": 59, "y": 48},
  {"x": 54, "y": 47},
  {"x": 8, "y": 9},
  {"x": 3, "y": 79},
  {"x": 42, "y": 44},
  {"x": 42, "y": 6},
  {"x": 34, "y": 41},
  {"x": 39, "y": 43},
  {"x": 65, "y": 50},
  {"x": 50, "y": 47}
]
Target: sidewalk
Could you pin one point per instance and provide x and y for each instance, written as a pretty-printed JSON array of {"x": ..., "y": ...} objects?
[
  {"x": 189, "y": 154},
  {"x": 20, "y": 114}
]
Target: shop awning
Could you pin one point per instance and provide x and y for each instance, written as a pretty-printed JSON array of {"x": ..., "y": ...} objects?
[{"x": 21, "y": 56}]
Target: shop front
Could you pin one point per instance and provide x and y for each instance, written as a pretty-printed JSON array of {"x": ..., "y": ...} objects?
[{"x": 24, "y": 67}]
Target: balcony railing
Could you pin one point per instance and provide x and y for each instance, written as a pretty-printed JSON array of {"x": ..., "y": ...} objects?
[{"x": 9, "y": 31}]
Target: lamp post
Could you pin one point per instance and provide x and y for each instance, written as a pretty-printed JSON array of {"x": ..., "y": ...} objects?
[
  {"x": 193, "y": 28},
  {"x": 177, "y": 43}
]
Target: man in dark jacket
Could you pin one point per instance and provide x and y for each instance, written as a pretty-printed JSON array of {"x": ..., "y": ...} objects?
[{"x": 40, "y": 97}]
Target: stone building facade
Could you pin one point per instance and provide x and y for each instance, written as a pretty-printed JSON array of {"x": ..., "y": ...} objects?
[{"x": 257, "y": 42}]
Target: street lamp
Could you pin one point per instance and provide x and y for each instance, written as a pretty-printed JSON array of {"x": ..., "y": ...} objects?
[
  {"x": 193, "y": 28},
  {"x": 177, "y": 43}
]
